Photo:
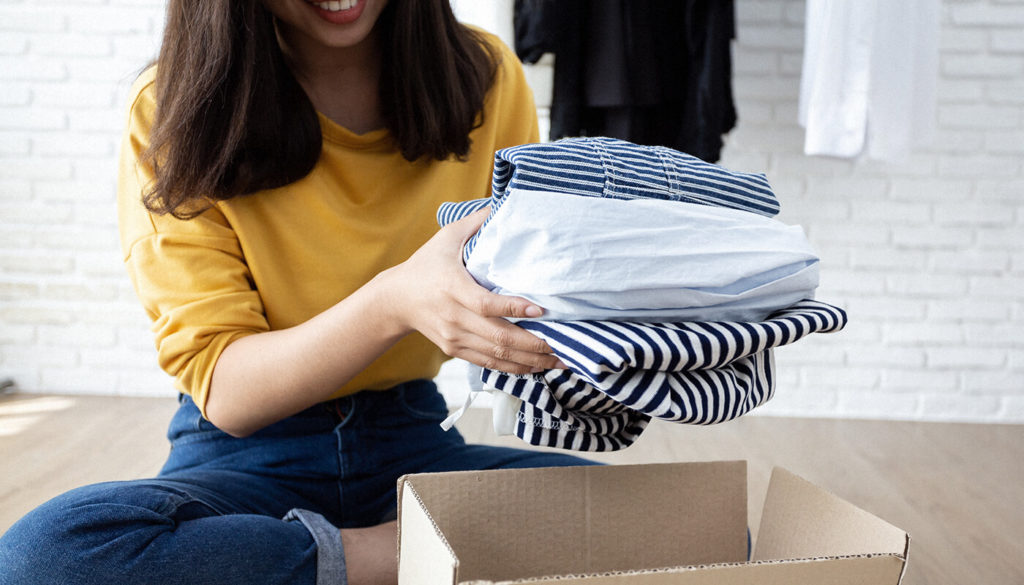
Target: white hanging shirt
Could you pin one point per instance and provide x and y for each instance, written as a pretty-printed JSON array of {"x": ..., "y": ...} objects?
[{"x": 869, "y": 76}]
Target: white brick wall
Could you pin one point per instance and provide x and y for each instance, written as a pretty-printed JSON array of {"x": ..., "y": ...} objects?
[
  {"x": 927, "y": 255},
  {"x": 69, "y": 321},
  {"x": 920, "y": 253}
]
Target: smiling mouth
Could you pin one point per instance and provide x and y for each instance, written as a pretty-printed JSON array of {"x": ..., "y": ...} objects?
[{"x": 335, "y": 5}]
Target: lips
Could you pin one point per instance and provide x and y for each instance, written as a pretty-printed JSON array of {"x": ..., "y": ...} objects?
[{"x": 339, "y": 11}]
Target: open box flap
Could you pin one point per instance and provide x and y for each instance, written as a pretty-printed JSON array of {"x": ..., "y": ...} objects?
[
  {"x": 860, "y": 570},
  {"x": 424, "y": 554},
  {"x": 514, "y": 524},
  {"x": 801, "y": 520}
]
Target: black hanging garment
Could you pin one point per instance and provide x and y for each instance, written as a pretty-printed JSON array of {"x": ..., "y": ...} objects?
[{"x": 656, "y": 72}]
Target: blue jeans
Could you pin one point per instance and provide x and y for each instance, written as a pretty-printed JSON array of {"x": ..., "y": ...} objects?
[{"x": 263, "y": 509}]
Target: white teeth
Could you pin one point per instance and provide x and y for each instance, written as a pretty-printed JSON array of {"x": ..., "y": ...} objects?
[{"x": 336, "y": 5}]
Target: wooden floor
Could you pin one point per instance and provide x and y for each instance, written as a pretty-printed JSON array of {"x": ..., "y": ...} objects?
[{"x": 957, "y": 489}]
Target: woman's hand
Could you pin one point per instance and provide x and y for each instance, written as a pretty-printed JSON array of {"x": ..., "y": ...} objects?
[{"x": 432, "y": 293}]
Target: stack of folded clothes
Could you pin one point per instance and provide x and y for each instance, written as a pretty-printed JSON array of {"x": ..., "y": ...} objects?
[{"x": 666, "y": 285}]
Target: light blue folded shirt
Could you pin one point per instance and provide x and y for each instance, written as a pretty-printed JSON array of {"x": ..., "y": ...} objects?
[{"x": 587, "y": 258}]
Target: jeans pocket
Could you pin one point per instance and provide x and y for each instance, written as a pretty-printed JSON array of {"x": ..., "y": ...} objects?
[{"x": 422, "y": 401}]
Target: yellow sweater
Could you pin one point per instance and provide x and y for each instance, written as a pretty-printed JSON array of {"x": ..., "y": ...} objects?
[{"x": 276, "y": 258}]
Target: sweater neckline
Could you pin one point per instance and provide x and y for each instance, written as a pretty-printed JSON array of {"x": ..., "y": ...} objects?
[{"x": 336, "y": 133}]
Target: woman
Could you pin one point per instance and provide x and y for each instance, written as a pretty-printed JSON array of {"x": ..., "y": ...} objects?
[{"x": 280, "y": 171}]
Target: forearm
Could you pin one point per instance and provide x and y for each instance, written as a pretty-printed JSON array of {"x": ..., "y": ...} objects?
[
  {"x": 266, "y": 377},
  {"x": 263, "y": 378}
]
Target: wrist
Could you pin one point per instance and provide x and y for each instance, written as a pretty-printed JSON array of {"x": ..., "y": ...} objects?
[{"x": 386, "y": 305}]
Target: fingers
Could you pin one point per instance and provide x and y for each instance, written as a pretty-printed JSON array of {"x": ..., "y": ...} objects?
[
  {"x": 504, "y": 335},
  {"x": 469, "y": 225},
  {"x": 511, "y": 361},
  {"x": 499, "y": 345},
  {"x": 490, "y": 363},
  {"x": 488, "y": 304}
]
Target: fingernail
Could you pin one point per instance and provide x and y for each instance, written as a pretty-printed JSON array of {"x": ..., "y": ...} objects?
[
  {"x": 536, "y": 370},
  {"x": 561, "y": 365},
  {"x": 534, "y": 311}
]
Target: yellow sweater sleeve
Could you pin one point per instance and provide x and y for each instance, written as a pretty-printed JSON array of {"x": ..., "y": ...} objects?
[{"x": 191, "y": 276}]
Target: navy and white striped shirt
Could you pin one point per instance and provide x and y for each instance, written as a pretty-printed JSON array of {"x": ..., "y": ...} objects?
[{"x": 623, "y": 374}]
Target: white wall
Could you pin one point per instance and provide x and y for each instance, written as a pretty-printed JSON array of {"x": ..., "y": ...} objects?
[
  {"x": 69, "y": 321},
  {"x": 927, "y": 256}
]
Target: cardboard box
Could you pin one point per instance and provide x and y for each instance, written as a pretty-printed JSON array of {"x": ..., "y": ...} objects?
[{"x": 682, "y": 523}]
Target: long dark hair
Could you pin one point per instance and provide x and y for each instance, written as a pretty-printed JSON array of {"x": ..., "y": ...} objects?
[{"x": 232, "y": 120}]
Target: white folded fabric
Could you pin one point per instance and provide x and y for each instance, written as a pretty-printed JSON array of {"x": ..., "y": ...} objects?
[{"x": 588, "y": 258}]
